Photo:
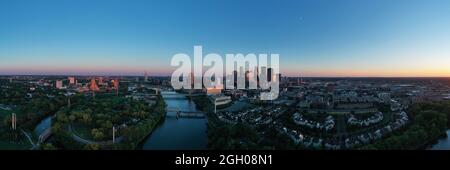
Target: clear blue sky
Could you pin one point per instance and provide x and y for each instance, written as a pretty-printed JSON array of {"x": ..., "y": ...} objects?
[{"x": 313, "y": 37}]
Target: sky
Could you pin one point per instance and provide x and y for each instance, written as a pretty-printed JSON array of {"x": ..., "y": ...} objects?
[{"x": 314, "y": 38}]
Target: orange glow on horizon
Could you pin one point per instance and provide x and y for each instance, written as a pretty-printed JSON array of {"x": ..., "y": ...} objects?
[
  {"x": 371, "y": 73},
  {"x": 166, "y": 71}
]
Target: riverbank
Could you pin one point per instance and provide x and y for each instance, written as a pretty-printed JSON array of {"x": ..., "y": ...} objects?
[
  {"x": 139, "y": 133},
  {"x": 442, "y": 143}
]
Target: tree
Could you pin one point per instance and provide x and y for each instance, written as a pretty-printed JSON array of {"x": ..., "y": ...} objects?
[
  {"x": 7, "y": 120},
  {"x": 92, "y": 147},
  {"x": 429, "y": 122},
  {"x": 97, "y": 134},
  {"x": 72, "y": 118},
  {"x": 86, "y": 118},
  {"x": 48, "y": 146},
  {"x": 62, "y": 117}
]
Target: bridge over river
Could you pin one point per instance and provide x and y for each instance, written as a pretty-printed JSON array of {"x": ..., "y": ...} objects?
[
  {"x": 185, "y": 114},
  {"x": 175, "y": 95}
]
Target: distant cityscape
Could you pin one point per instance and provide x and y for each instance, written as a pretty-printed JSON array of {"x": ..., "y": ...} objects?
[{"x": 125, "y": 112}]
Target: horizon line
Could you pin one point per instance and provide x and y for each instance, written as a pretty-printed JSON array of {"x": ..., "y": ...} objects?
[{"x": 130, "y": 75}]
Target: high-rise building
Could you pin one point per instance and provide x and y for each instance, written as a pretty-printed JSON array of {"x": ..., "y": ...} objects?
[
  {"x": 257, "y": 76},
  {"x": 116, "y": 84},
  {"x": 269, "y": 74},
  {"x": 72, "y": 80},
  {"x": 235, "y": 76},
  {"x": 248, "y": 76},
  {"x": 59, "y": 84},
  {"x": 94, "y": 86},
  {"x": 191, "y": 78}
]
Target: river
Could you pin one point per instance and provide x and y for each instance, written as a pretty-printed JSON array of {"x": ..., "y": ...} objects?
[
  {"x": 43, "y": 125},
  {"x": 443, "y": 144},
  {"x": 178, "y": 134}
]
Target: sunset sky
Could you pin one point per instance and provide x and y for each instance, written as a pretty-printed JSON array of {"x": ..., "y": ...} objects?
[{"x": 362, "y": 38}]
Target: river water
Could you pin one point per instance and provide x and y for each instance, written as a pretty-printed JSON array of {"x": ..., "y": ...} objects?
[
  {"x": 443, "y": 144},
  {"x": 178, "y": 134}
]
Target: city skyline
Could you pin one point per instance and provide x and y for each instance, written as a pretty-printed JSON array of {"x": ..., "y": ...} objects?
[{"x": 314, "y": 38}]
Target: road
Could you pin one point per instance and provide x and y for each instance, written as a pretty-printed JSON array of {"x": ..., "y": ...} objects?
[
  {"x": 341, "y": 128},
  {"x": 29, "y": 139},
  {"x": 86, "y": 141}
]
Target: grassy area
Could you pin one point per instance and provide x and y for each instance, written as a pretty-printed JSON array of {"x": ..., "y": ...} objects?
[
  {"x": 82, "y": 131},
  {"x": 4, "y": 113},
  {"x": 11, "y": 145}
]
